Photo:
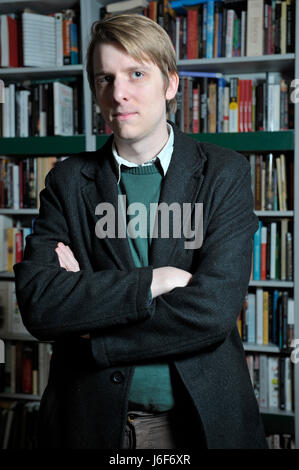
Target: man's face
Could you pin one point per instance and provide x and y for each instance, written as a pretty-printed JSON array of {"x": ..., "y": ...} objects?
[{"x": 131, "y": 94}]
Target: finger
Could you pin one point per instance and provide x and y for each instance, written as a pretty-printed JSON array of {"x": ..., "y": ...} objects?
[
  {"x": 61, "y": 262},
  {"x": 68, "y": 259}
]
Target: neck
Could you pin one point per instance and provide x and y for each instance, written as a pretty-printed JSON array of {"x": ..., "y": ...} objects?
[{"x": 143, "y": 149}]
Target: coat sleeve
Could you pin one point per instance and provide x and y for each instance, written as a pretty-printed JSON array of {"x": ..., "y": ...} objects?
[
  {"x": 55, "y": 303},
  {"x": 204, "y": 313}
]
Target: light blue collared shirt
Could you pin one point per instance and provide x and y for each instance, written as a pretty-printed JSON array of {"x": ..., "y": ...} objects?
[{"x": 164, "y": 156}]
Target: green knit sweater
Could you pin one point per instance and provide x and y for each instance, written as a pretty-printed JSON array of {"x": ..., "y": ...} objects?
[{"x": 151, "y": 388}]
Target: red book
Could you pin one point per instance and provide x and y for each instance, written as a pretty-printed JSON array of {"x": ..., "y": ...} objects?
[
  {"x": 19, "y": 246},
  {"x": 241, "y": 105},
  {"x": 192, "y": 34},
  {"x": 246, "y": 98},
  {"x": 10, "y": 42},
  {"x": 27, "y": 370},
  {"x": 152, "y": 11},
  {"x": 249, "y": 106},
  {"x": 13, "y": 42}
]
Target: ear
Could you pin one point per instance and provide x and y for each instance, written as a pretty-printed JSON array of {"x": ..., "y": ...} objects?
[{"x": 173, "y": 86}]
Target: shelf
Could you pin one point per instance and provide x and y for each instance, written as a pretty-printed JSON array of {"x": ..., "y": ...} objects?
[
  {"x": 263, "y": 348},
  {"x": 274, "y": 283},
  {"x": 7, "y": 275},
  {"x": 240, "y": 141},
  {"x": 276, "y": 411},
  {"x": 266, "y": 63},
  {"x": 19, "y": 211},
  {"x": 58, "y": 145},
  {"x": 17, "y": 337},
  {"x": 18, "y": 396},
  {"x": 262, "y": 141},
  {"x": 25, "y": 73},
  {"x": 274, "y": 213}
]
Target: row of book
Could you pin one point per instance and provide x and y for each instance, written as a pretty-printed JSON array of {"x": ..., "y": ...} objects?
[
  {"x": 272, "y": 380},
  {"x": 26, "y": 367},
  {"x": 42, "y": 107},
  {"x": 31, "y": 39},
  {"x": 22, "y": 179},
  {"x": 209, "y": 102},
  {"x": 273, "y": 251},
  {"x": 18, "y": 424},
  {"x": 214, "y": 28},
  {"x": 281, "y": 441},
  {"x": 272, "y": 182},
  {"x": 267, "y": 317}
]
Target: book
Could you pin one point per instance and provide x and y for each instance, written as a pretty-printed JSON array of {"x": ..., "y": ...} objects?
[
  {"x": 126, "y": 5},
  {"x": 255, "y": 22},
  {"x": 63, "y": 109}
]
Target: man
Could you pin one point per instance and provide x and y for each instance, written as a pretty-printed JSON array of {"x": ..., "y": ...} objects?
[{"x": 146, "y": 351}]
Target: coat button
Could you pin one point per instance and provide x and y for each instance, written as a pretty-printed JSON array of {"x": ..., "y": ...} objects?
[{"x": 117, "y": 377}]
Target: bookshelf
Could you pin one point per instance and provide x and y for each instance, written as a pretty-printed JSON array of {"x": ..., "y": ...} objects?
[{"x": 285, "y": 141}]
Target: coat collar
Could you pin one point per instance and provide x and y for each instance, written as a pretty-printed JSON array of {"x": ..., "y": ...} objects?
[{"x": 181, "y": 184}]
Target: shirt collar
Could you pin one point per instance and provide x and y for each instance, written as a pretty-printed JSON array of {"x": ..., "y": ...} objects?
[{"x": 164, "y": 156}]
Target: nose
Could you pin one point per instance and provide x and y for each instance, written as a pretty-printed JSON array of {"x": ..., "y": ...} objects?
[{"x": 120, "y": 89}]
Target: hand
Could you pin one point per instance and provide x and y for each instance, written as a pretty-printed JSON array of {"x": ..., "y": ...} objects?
[
  {"x": 68, "y": 261},
  {"x": 167, "y": 278},
  {"x": 66, "y": 258}
]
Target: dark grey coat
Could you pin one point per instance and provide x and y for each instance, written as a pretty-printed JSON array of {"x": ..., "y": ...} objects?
[{"x": 193, "y": 328}]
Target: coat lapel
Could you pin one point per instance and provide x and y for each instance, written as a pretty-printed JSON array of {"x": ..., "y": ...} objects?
[
  {"x": 181, "y": 185},
  {"x": 102, "y": 187}
]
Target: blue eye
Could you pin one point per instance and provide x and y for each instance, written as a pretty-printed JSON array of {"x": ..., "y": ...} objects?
[{"x": 138, "y": 74}]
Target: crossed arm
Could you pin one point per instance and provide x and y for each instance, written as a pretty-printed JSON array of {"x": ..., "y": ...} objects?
[{"x": 164, "y": 279}]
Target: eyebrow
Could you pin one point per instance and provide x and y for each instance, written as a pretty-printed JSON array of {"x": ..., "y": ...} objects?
[{"x": 129, "y": 69}]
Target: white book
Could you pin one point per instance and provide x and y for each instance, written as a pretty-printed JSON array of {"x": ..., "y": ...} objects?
[
  {"x": 177, "y": 37},
  {"x": 12, "y": 119},
  {"x": 288, "y": 384},
  {"x": 255, "y": 27},
  {"x": 259, "y": 315},
  {"x": 273, "y": 101},
  {"x": 229, "y": 33},
  {"x": 39, "y": 39},
  {"x": 126, "y": 5},
  {"x": 4, "y": 41},
  {"x": 243, "y": 33},
  {"x": 63, "y": 109},
  {"x": 37, "y": 19},
  {"x": 5, "y": 222},
  {"x": 59, "y": 38},
  {"x": 6, "y": 114},
  {"x": 263, "y": 399},
  {"x": 273, "y": 250},
  {"x": 273, "y": 382},
  {"x": 251, "y": 318},
  {"x": 24, "y": 113}
]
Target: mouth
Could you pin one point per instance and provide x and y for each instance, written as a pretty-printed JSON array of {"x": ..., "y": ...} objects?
[{"x": 124, "y": 116}]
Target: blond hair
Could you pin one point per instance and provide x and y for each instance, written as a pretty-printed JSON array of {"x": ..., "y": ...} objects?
[{"x": 142, "y": 39}]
